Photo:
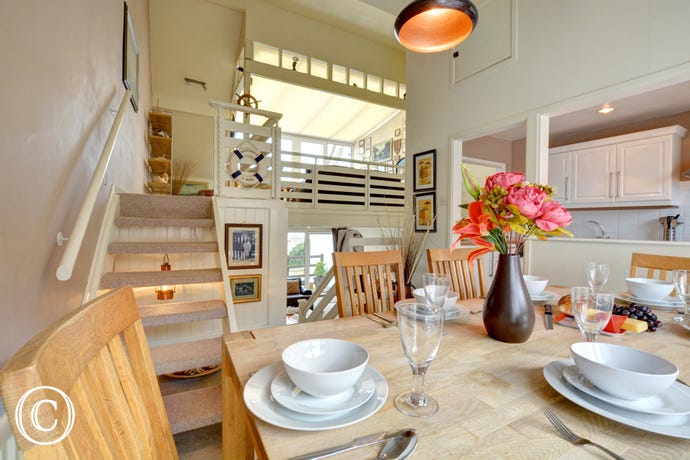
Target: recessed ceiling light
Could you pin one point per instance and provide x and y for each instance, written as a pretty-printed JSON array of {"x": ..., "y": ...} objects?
[{"x": 606, "y": 109}]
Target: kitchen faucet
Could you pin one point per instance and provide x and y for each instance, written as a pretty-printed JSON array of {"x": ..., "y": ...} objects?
[{"x": 602, "y": 230}]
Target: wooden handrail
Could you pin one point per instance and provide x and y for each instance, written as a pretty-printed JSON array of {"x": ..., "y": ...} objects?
[{"x": 69, "y": 257}]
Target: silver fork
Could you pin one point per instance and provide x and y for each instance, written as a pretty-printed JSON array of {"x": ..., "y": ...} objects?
[{"x": 572, "y": 437}]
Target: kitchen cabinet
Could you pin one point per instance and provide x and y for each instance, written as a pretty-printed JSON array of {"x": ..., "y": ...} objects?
[{"x": 637, "y": 169}]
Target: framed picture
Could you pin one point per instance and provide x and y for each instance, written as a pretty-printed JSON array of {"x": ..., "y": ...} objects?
[
  {"x": 424, "y": 170},
  {"x": 245, "y": 288},
  {"x": 192, "y": 187},
  {"x": 398, "y": 132},
  {"x": 381, "y": 152},
  {"x": 425, "y": 212},
  {"x": 130, "y": 60},
  {"x": 243, "y": 245}
]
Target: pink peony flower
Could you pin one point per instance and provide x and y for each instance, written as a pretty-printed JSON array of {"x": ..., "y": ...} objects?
[
  {"x": 503, "y": 179},
  {"x": 528, "y": 199},
  {"x": 553, "y": 216}
]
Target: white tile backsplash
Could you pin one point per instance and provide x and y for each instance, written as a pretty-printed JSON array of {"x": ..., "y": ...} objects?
[{"x": 634, "y": 224}]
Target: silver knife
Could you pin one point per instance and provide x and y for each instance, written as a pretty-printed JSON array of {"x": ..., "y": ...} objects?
[
  {"x": 548, "y": 316},
  {"x": 367, "y": 440}
]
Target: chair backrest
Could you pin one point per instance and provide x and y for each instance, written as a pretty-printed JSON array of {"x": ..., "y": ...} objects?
[
  {"x": 469, "y": 281},
  {"x": 656, "y": 266},
  {"x": 98, "y": 357},
  {"x": 365, "y": 281}
]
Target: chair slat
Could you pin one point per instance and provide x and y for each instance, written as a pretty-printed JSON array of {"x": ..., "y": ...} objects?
[
  {"x": 468, "y": 280},
  {"x": 365, "y": 281}
]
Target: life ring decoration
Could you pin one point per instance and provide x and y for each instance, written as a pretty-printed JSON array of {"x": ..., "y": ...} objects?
[{"x": 247, "y": 166}]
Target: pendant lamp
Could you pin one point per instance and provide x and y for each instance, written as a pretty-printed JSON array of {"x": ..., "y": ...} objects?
[{"x": 430, "y": 26}]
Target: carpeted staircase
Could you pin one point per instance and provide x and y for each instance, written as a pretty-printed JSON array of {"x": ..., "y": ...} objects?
[{"x": 184, "y": 332}]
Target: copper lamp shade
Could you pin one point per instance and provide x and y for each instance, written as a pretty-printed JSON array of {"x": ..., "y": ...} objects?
[{"x": 430, "y": 26}]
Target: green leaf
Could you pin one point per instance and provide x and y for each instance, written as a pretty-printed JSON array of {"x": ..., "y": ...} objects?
[{"x": 471, "y": 184}]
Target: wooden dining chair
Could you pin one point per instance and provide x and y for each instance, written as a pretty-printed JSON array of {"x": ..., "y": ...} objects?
[
  {"x": 469, "y": 281},
  {"x": 656, "y": 266},
  {"x": 98, "y": 357},
  {"x": 365, "y": 281}
]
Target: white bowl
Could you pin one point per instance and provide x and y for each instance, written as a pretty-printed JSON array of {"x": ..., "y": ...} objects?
[
  {"x": 324, "y": 367},
  {"x": 651, "y": 289},
  {"x": 623, "y": 372},
  {"x": 535, "y": 284},
  {"x": 451, "y": 300}
]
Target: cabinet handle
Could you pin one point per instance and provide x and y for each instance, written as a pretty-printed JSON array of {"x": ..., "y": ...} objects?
[
  {"x": 610, "y": 185},
  {"x": 618, "y": 183}
]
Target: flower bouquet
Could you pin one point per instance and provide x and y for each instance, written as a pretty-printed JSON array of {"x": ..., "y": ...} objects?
[{"x": 505, "y": 212}]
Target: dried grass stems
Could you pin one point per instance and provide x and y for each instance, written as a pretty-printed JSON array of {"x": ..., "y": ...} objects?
[
  {"x": 181, "y": 171},
  {"x": 408, "y": 241}
]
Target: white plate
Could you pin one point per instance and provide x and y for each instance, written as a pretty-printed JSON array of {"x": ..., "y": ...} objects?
[
  {"x": 545, "y": 296},
  {"x": 258, "y": 399},
  {"x": 665, "y": 302},
  {"x": 674, "y": 401},
  {"x": 451, "y": 312},
  {"x": 282, "y": 390},
  {"x": 677, "y": 426}
]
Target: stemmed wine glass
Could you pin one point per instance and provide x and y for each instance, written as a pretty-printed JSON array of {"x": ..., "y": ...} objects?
[
  {"x": 681, "y": 280},
  {"x": 597, "y": 274},
  {"x": 421, "y": 327},
  {"x": 436, "y": 287},
  {"x": 592, "y": 310}
]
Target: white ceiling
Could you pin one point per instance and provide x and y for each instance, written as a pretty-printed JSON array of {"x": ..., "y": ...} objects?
[
  {"x": 325, "y": 115},
  {"x": 315, "y": 113}
]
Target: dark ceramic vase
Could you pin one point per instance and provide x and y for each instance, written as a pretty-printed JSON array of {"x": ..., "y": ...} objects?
[{"x": 508, "y": 313}]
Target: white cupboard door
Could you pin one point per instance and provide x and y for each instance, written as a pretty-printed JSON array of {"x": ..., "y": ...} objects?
[
  {"x": 559, "y": 171},
  {"x": 644, "y": 170},
  {"x": 592, "y": 172}
]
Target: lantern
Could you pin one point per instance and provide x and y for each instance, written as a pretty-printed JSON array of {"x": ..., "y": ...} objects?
[{"x": 165, "y": 292}]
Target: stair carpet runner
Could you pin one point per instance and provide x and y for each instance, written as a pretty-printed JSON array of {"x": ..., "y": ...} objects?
[{"x": 196, "y": 405}]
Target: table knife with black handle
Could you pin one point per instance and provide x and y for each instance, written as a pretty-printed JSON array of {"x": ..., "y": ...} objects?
[{"x": 548, "y": 317}]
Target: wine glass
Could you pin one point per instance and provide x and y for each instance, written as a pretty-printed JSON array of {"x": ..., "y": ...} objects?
[
  {"x": 597, "y": 274},
  {"x": 681, "y": 280},
  {"x": 591, "y": 309},
  {"x": 436, "y": 287},
  {"x": 421, "y": 329}
]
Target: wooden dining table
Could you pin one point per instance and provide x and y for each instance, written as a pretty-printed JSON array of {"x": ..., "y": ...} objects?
[{"x": 491, "y": 394}]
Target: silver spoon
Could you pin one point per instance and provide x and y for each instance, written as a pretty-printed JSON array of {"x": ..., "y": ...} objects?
[{"x": 399, "y": 447}]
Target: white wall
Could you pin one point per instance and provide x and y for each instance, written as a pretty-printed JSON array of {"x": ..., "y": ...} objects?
[
  {"x": 62, "y": 67},
  {"x": 564, "y": 52},
  {"x": 197, "y": 39}
]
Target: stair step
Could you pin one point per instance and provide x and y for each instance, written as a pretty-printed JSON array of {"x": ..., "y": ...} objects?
[
  {"x": 181, "y": 312},
  {"x": 186, "y": 355},
  {"x": 194, "y": 409},
  {"x": 114, "y": 280},
  {"x": 162, "y": 222},
  {"x": 166, "y": 206},
  {"x": 162, "y": 247}
]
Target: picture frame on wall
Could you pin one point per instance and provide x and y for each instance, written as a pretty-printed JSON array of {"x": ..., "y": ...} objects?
[
  {"x": 243, "y": 245},
  {"x": 424, "y": 170},
  {"x": 381, "y": 151},
  {"x": 245, "y": 288},
  {"x": 130, "y": 60},
  {"x": 425, "y": 212}
]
